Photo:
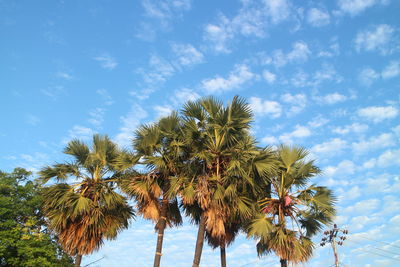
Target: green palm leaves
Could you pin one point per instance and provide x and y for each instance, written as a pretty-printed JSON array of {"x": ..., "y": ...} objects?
[
  {"x": 204, "y": 161},
  {"x": 84, "y": 212},
  {"x": 295, "y": 211}
]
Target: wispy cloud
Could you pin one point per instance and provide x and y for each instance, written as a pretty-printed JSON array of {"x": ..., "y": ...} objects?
[
  {"x": 381, "y": 141},
  {"x": 106, "y": 61},
  {"x": 79, "y": 132},
  {"x": 269, "y": 76},
  {"x": 391, "y": 70},
  {"x": 378, "y": 113},
  {"x": 297, "y": 101},
  {"x": 378, "y": 38},
  {"x": 299, "y": 131},
  {"x": 352, "y": 128},
  {"x": 368, "y": 76},
  {"x": 330, "y": 99},
  {"x": 300, "y": 53},
  {"x": 64, "y": 75},
  {"x": 331, "y": 147},
  {"x": 159, "y": 15},
  {"x": 54, "y": 92},
  {"x": 239, "y": 76},
  {"x": 32, "y": 119},
  {"x": 265, "y": 107},
  {"x": 130, "y": 122},
  {"x": 96, "y": 117},
  {"x": 252, "y": 19},
  {"x": 164, "y": 11},
  {"x": 318, "y": 17},
  {"x": 183, "y": 95},
  {"x": 355, "y": 7},
  {"x": 103, "y": 93},
  {"x": 187, "y": 54},
  {"x": 163, "y": 111}
]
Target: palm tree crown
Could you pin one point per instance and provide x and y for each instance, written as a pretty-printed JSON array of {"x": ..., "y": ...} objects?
[
  {"x": 84, "y": 212},
  {"x": 295, "y": 211}
]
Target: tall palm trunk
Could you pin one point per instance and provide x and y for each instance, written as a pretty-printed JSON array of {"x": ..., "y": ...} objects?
[
  {"x": 200, "y": 241},
  {"x": 161, "y": 228},
  {"x": 283, "y": 263},
  {"x": 78, "y": 260},
  {"x": 223, "y": 255}
]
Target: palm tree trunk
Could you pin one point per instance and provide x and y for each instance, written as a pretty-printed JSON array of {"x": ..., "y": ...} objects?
[
  {"x": 200, "y": 241},
  {"x": 78, "y": 260},
  {"x": 223, "y": 255},
  {"x": 283, "y": 263},
  {"x": 161, "y": 228}
]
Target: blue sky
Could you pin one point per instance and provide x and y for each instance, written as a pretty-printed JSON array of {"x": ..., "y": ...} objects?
[{"x": 322, "y": 74}]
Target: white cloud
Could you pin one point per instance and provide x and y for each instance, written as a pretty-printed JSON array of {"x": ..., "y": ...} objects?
[
  {"x": 376, "y": 142},
  {"x": 352, "y": 128},
  {"x": 299, "y": 53},
  {"x": 265, "y": 107},
  {"x": 103, "y": 93},
  {"x": 389, "y": 158},
  {"x": 375, "y": 39},
  {"x": 163, "y": 111},
  {"x": 333, "y": 49},
  {"x": 331, "y": 99},
  {"x": 54, "y": 92},
  {"x": 79, "y": 132},
  {"x": 318, "y": 121},
  {"x": 355, "y": 7},
  {"x": 326, "y": 73},
  {"x": 317, "y": 17},
  {"x": 299, "y": 132},
  {"x": 252, "y": 19},
  {"x": 363, "y": 206},
  {"x": 161, "y": 70},
  {"x": 240, "y": 75},
  {"x": 129, "y": 124},
  {"x": 106, "y": 61},
  {"x": 386, "y": 159},
  {"x": 187, "y": 54},
  {"x": 298, "y": 102},
  {"x": 96, "y": 117},
  {"x": 270, "y": 140},
  {"x": 332, "y": 147},
  {"x": 278, "y": 10},
  {"x": 345, "y": 167},
  {"x": 184, "y": 95},
  {"x": 31, "y": 162},
  {"x": 378, "y": 113},
  {"x": 65, "y": 75},
  {"x": 392, "y": 70},
  {"x": 368, "y": 76},
  {"x": 165, "y": 11},
  {"x": 269, "y": 76},
  {"x": 32, "y": 119}
]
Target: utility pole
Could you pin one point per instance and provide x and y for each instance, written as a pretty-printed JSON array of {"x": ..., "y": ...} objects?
[{"x": 330, "y": 237}]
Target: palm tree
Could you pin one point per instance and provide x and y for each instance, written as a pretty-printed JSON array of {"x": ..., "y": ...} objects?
[
  {"x": 161, "y": 149},
  {"x": 260, "y": 163},
  {"x": 295, "y": 211},
  {"x": 84, "y": 212},
  {"x": 214, "y": 177}
]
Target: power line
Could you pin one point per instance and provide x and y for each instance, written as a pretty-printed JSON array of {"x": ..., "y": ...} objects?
[
  {"x": 372, "y": 252},
  {"x": 387, "y": 251},
  {"x": 378, "y": 241}
]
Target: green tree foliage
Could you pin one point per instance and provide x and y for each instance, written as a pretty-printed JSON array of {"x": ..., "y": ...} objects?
[
  {"x": 86, "y": 212},
  {"x": 296, "y": 210},
  {"x": 24, "y": 239}
]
